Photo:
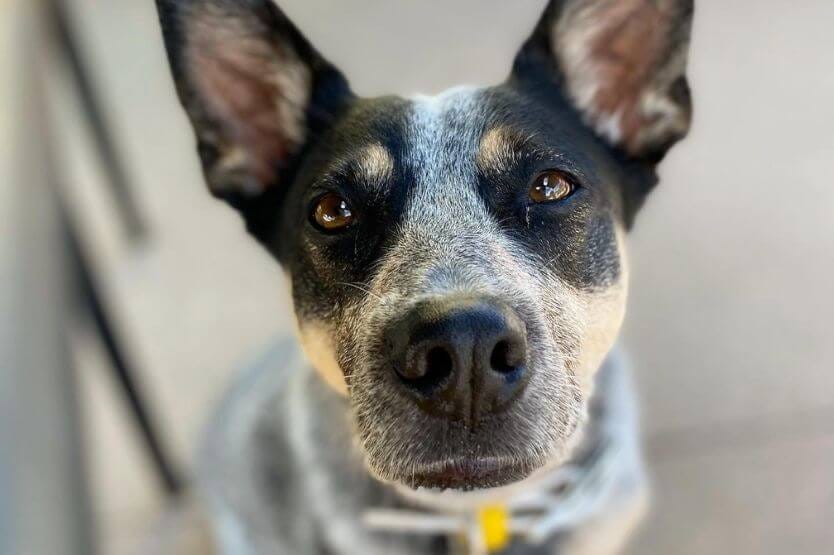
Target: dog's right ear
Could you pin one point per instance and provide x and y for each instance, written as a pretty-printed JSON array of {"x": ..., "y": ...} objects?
[
  {"x": 622, "y": 64},
  {"x": 255, "y": 90}
]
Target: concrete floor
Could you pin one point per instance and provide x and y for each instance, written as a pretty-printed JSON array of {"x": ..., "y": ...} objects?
[{"x": 729, "y": 321}]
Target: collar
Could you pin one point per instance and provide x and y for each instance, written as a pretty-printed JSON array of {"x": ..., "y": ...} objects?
[{"x": 556, "y": 500}]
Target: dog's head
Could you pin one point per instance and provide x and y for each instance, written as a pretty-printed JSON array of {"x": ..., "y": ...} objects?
[{"x": 456, "y": 262}]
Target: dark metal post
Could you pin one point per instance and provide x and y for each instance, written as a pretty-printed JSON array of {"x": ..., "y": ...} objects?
[{"x": 113, "y": 165}]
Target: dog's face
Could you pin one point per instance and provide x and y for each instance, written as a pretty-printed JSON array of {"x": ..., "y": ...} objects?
[{"x": 456, "y": 261}]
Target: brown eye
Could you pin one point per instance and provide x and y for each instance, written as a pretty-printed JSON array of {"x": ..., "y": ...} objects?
[
  {"x": 551, "y": 186},
  {"x": 332, "y": 213}
]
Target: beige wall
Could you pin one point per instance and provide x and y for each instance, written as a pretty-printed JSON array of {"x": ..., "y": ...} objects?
[{"x": 729, "y": 322}]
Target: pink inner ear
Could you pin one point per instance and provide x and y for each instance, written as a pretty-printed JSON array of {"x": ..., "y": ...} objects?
[
  {"x": 246, "y": 109},
  {"x": 620, "y": 63},
  {"x": 241, "y": 81},
  {"x": 626, "y": 54}
]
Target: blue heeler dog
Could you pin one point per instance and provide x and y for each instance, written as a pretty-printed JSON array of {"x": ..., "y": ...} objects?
[{"x": 458, "y": 277}]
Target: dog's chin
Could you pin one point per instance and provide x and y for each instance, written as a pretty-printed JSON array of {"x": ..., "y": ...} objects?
[
  {"x": 470, "y": 473},
  {"x": 467, "y": 474}
]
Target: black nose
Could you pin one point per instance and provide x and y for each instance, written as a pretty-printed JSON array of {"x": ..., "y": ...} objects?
[{"x": 460, "y": 358}]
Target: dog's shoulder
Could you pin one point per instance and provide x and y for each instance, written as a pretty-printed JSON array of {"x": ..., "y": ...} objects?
[
  {"x": 275, "y": 460},
  {"x": 244, "y": 461}
]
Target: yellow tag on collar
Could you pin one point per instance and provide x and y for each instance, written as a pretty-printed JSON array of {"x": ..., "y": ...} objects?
[{"x": 494, "y": 521}]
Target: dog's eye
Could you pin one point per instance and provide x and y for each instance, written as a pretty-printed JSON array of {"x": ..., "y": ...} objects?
[
  {"x": 551, "y": 186},
  {"x": 332, "y": 213}
]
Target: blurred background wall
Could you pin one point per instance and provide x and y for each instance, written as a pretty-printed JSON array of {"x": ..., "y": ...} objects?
[{"x": 730, "y": 317}]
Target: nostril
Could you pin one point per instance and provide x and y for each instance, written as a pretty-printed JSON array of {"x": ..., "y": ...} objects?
[
  {"x": 438, "y": 363},
  {"x": 504, "y": 358},
  {"x": 427, "y": 369}
]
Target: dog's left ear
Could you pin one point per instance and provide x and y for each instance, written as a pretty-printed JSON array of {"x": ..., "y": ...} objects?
[
  {"x": 621, "y": 63},
  {"x": 255, "y": 90}
]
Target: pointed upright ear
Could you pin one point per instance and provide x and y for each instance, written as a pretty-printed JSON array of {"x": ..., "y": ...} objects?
[
  {"x": 621, "y": 63},
  {"x": 255, "y": 90}
]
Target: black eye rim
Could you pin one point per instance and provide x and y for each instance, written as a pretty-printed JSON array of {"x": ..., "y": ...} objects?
[
  {"x": 311, "y": 214},
  {"x": 570, "y": 177}
]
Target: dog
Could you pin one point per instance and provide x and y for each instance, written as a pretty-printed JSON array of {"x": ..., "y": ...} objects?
[{"x": 458, "y": 274}]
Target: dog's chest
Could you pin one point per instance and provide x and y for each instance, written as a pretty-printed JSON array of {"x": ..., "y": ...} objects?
[{"x": 283, "y": 475}]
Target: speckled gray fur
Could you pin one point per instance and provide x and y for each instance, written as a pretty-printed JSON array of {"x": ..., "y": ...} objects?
[{"x": 280, "y": 471}]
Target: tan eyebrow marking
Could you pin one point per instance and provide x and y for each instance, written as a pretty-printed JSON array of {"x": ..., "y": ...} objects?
[
  {"x": 496, "y": 148},
  {"x": 376, "y": 163},
  {"x": 501, "y": 146}
]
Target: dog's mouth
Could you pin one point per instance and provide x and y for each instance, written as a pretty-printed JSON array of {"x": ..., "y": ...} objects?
[{"x": 467, "y": 474}]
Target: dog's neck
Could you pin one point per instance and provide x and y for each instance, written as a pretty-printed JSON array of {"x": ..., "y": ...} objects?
[
  {"x": 282, "y": 417},
  {"x": 563, "y": 494}
]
